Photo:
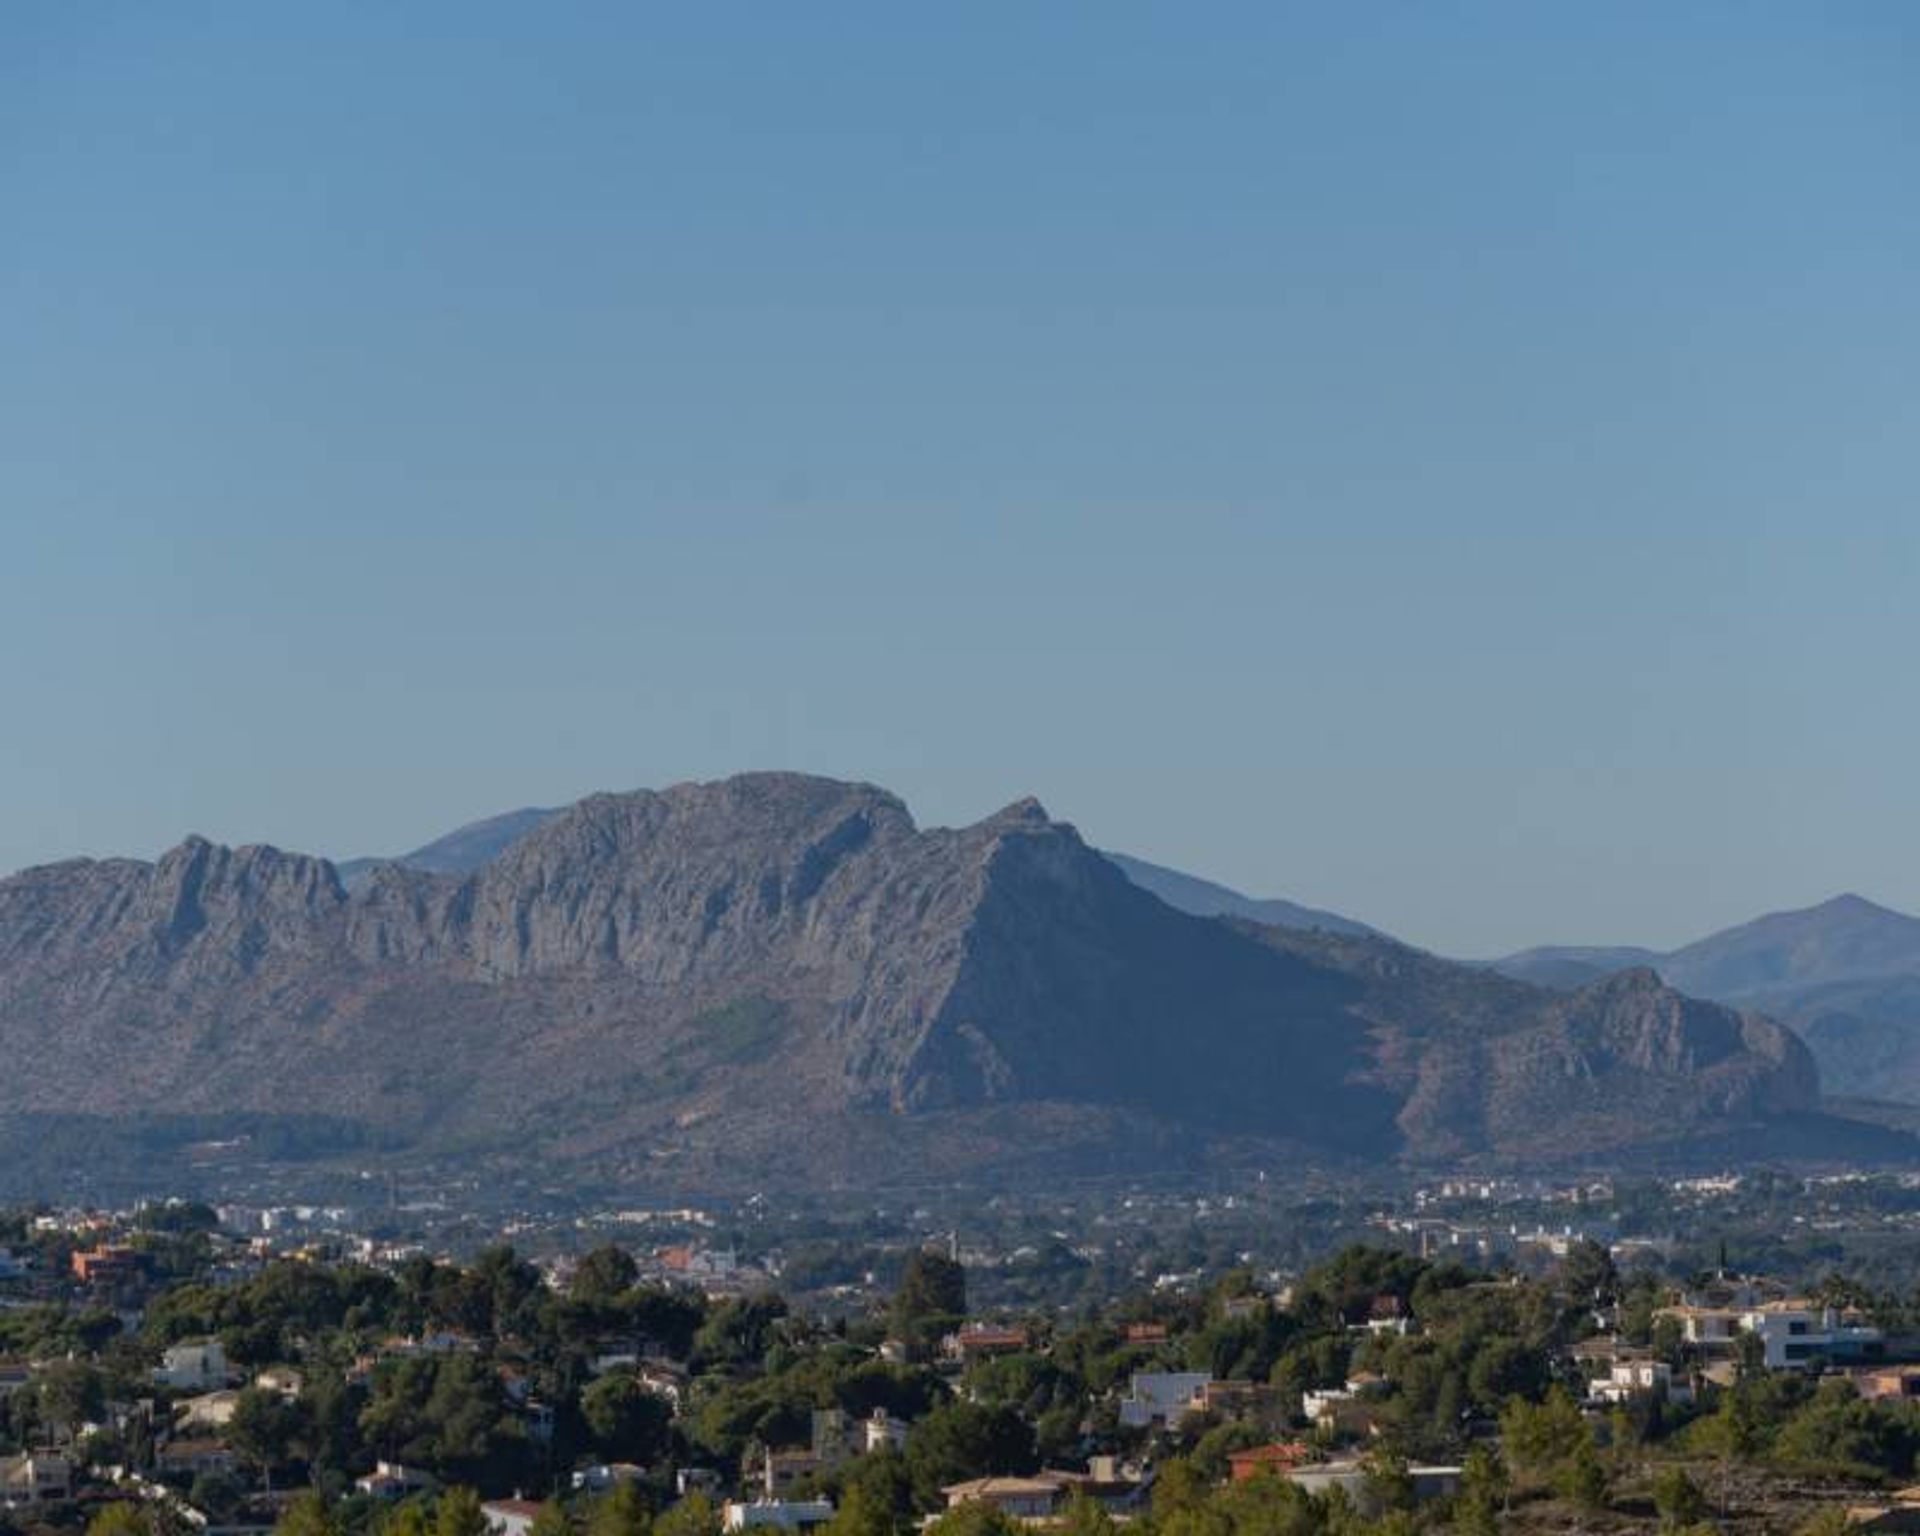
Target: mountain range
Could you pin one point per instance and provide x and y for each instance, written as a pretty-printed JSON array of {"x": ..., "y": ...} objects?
[
  {"x": 1845, "y": 974},
  {"x": 779, "y": 979}
]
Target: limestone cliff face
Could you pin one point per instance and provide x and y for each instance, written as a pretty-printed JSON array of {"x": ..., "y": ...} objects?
[
  {"x": 1630, "y": 1047},
  {"x": 663, "y": 969},
  {"x": 201, "y": 919}
]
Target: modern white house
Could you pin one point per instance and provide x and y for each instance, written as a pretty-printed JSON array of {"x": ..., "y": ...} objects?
[
  {"x": 200, "y": 1367},
  {"x": 1163, "y": 1397},
  {"x": 1792, "y": 1334}
]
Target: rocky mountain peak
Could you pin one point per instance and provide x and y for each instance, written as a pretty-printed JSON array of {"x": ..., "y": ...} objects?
[{"x": 1026, "y": 811}]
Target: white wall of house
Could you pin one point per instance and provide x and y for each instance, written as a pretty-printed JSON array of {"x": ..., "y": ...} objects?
[
  {"x": 1163, "y": 1397},
  {"x": 193, "y": 1367}
]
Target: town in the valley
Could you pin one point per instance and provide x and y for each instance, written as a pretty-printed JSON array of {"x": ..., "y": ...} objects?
[{"x": 1739, "y": 1352}]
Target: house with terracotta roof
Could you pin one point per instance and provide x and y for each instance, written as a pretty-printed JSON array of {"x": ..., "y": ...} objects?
[
  {"x": 982, "y": 1341},
  {"x": 107, "y": 1264},
  {"x": 1267, "y": 1460},
  {"x": 1891, "y": 1383}
]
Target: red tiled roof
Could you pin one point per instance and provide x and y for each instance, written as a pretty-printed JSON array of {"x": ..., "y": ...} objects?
[{"x": 1287, "y": 1453}]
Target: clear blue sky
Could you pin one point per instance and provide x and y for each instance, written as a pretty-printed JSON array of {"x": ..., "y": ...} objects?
[{"x": 1455, "y": 464}]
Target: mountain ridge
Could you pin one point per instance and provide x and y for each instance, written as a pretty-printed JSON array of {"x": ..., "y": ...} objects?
[
  {"x": 476, "y": 843},
  {"x": 751, "y": 978}
]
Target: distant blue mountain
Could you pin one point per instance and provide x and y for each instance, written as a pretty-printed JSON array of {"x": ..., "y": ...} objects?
[
  {"x": 1847, "y": 939},
  {"x": 1567, "y": 966},
  {"x": 461, "y": 851},
  {"x": 1203, "y": 898}
]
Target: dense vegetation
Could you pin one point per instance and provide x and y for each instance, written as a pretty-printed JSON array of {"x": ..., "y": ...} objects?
[{"x": 488, "y": 1379}]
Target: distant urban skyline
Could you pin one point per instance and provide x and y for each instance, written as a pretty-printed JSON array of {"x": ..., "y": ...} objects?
[{"x": 1451, "y": 468}]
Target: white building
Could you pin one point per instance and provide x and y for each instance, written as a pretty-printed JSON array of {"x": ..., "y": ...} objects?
[
  {"x": 210, "y": 1410},
  {"x": 35, "y": 1479},
  {"x": 780, "y": 1514},
  {"x": 193, "y": 1367},
  {"x": 1324, "y": 1401},
  {"x": 838, "y": 1435},
  {"x": 881, "y": 1431},
  {"x": 1792, "y": 1334},
  {"x": 1163, "y": 1397},
  {"x": 1631, "y": 1378},
  {"x": 1018, "y": 1498},
  {"x": 510, "y": 1517}
]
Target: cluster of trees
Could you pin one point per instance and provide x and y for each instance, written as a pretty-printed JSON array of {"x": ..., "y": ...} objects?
[
  {"x": 443, "y": 1411},
  {"x": 1808, "y": 1426},
  {"x": 1483, "y": 1354}
]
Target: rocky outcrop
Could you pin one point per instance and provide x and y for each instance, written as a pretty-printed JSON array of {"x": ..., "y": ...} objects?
[
  {"x": 1845, "y": 975},
  {"x": 1484, "y": 1064}
]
